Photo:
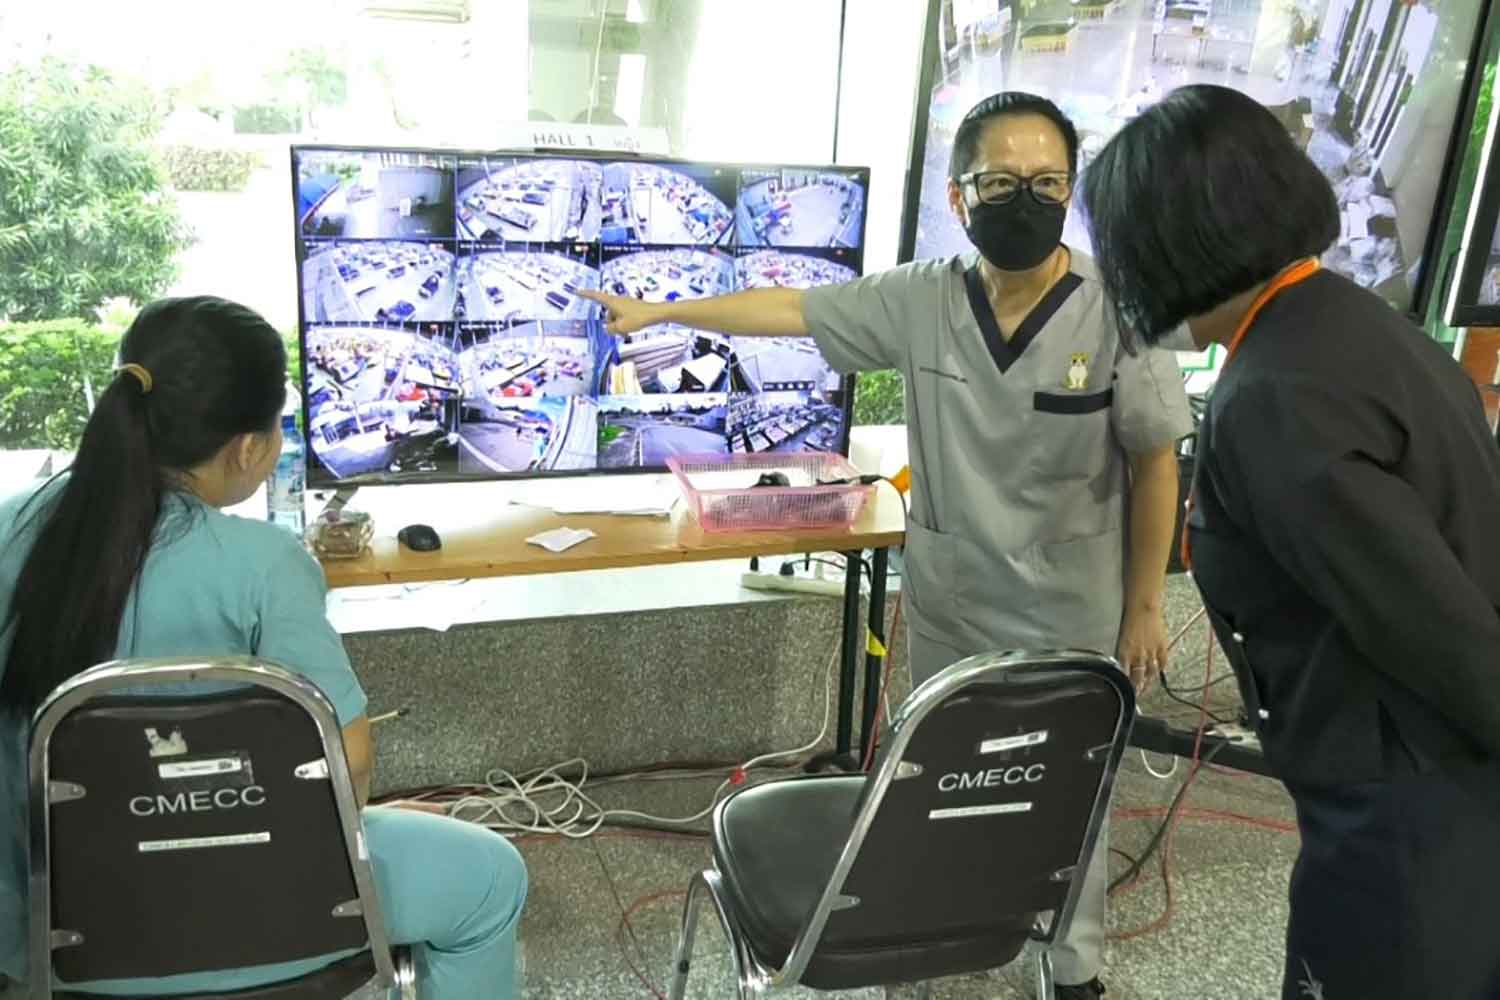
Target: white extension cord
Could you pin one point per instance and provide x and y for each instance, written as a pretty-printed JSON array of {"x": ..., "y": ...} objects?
[
  {"x": 811, "y": 575},
  {"x": 548, "y": 803},
  {"x": 797, "y": 583}
]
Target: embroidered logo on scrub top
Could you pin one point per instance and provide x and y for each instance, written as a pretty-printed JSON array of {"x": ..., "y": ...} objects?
[{"x": 1078, "y": 373}]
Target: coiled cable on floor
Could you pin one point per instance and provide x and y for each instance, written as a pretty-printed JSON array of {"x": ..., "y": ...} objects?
[{"x": 554, "y": 800}]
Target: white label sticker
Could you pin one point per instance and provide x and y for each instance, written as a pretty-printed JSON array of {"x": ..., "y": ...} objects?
[
  {"x": 964, "y": 812},
  {"x": 1035, "y": 739},
  {"x": 198, "y": 768},
  {"x": 193, "y": 843}
]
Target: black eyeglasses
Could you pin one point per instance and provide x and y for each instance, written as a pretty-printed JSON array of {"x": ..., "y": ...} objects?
[{"x": 997, "y": 187}]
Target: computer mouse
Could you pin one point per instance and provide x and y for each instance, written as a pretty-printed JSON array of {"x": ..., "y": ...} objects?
[{"x": 419, "y": 538}]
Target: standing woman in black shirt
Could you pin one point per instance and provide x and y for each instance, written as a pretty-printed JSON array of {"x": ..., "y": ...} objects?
[{"x": 1345, "y": 534}]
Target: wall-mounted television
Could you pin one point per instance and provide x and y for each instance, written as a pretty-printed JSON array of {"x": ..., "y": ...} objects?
[
  {"x": 1372, "y": 89},
  {"x": 443, "y": 336}
]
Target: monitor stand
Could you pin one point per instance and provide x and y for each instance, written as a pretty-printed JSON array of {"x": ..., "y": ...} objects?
[{"x": 340, "y": 500}]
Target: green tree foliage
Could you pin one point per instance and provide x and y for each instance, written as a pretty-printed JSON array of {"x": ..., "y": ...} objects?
[
  {"x": 293, "y": 356},
  {"x": 880, "y": 398},
  {"x": 85, "y": 214},
  {"x": 193, "y": 168},
  {"x": 43, "y": 370},
  {"x": 266, "y": 119},
  {"x": 49, "y": 372},
  {"x": 314, "y": 81}
]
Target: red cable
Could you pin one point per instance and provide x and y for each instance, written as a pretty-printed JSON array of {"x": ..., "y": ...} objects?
[
  {"x": 885, "y": 680},
  {"x": 654, "y": 897},
  {"x": 1167, "y": 911},
  {"x": 553, "y": 838},
  {"x": 1208, "y": 676},
  {"x": 1210, "y": 815},
  {"x": 1166, "y": 848}
]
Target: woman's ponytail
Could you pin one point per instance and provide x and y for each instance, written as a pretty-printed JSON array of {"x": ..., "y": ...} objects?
[{"x": 195, "y": 373}]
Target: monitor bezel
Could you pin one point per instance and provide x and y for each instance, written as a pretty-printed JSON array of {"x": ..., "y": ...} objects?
[
  {"x": 1468, "y": 264},
  {"x": 1448, "y": 279},
  {"x": 1464, "y": 308},
  {"x": 317, "y": 476},
  {"x": 906, "y": 250}
]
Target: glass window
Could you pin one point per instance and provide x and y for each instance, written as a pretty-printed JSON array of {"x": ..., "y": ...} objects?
[{"x": 217, "y": 93}]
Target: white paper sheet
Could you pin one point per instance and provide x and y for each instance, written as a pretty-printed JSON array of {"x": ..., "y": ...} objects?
[
  {"x": 653, "y": 496},
  {"x": 561, "y": 539}
]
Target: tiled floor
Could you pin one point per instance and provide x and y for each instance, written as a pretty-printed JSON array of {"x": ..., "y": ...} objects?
[{"x": 1223, "y": 939}]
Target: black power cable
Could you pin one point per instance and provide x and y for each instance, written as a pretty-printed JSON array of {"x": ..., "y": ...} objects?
[
  {"x": 1137, "y": 866},
  {"x": 1177, "y": 696},
  {"x": 842, "y": 567}
]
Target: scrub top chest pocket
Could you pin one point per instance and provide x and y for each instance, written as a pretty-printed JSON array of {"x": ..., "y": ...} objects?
[{"x": 1071, "y": 426}]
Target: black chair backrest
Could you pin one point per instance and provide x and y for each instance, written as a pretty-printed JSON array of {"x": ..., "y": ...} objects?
[
  {"x": 999, "y": 773},
  {"x": 191, "y": 834}
]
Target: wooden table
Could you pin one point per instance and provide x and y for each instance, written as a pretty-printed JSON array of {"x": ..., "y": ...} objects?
[{"x": 484, "y": 535}]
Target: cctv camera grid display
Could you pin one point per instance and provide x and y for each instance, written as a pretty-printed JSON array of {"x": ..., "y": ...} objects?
[
  {"x": 529, "y": 199},
  {"x": 456, "y": 350},
  {"x": 800, "y": 208},
  {"x": 1369, "y": 89}
]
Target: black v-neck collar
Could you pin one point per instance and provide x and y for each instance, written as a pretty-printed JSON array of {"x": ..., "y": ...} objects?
[{"x": 1007, "y": 352}]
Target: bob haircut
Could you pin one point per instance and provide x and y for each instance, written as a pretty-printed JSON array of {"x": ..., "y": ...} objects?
[{"x": 1201, "y": 198}]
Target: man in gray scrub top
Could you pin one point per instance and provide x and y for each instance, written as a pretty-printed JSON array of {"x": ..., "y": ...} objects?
[{"x": 1043, "y": 453}]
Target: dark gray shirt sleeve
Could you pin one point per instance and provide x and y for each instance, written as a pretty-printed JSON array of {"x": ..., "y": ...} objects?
[{"x": 866, "y": 324}]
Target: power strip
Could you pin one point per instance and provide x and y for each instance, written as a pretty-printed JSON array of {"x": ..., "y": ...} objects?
[{"x": 800, "y": 582}]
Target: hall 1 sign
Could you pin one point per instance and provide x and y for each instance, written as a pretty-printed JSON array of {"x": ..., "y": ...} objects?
[{"x": 585, "y": 138}]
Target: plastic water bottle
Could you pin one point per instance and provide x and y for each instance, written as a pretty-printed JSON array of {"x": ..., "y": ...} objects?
[{"x": 284, "y": 500}]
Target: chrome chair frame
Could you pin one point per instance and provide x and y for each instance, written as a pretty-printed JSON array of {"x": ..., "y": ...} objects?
[
  {"x": 394, "y": 968},
  {"x": 756, "y": 979}
]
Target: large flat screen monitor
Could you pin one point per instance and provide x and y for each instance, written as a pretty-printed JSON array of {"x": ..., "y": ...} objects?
[
  {"x": 1478, "y": 301},
  {"x": 443, "y": 336},
  {"x": 1474, "y": 299},
  {"x": 1371, "y": 89}
]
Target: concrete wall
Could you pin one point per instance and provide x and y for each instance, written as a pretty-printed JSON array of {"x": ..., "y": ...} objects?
[{"x": 621, "y": 690}]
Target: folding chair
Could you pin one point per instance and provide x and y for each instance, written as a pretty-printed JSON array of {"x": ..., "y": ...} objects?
[
  {"x": 980, "y": 816},
  {"x": 175, "y": 834}
]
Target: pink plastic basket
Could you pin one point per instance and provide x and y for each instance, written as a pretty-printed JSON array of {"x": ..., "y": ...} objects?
[{"x": 721, "y": 492}]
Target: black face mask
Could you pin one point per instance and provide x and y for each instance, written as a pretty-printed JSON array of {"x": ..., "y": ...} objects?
[{"x": 1018, "y": 235}]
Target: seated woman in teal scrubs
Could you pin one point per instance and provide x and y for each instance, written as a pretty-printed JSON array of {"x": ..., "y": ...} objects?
[{"x": 128, "y": 555}]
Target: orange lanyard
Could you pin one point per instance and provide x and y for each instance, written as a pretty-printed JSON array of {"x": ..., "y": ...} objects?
[{"x": 1298, "y": 272}]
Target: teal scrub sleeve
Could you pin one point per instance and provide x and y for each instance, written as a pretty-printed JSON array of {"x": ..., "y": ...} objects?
[
  {"x": 1150, "y": 407},
  {"x": 295, "y": 632},
  {"x": 865, "y": 324}
]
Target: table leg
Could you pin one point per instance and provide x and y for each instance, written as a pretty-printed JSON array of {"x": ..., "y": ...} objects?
[
  {"x": 848, "y": 654},
  {"x": 874, "y": 662}
]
